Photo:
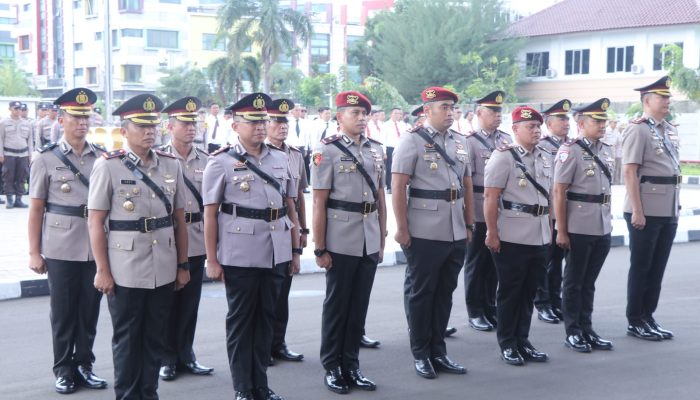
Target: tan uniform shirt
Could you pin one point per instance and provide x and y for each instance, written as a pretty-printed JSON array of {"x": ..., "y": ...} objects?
[
  {"x": 648, "y": 143},
  {"x": 42, "y": 132},
  {"x": 478, "y": 157},
  {"x": 349, "y": 232},
  {"x": 16, "y": 138},
  {"x": 246, "y": 242},
  {"x": 434, "y": 219},
  {"x": 138, "y": 260},
  {"x": 193, "y": 168},
  {"x": 552, "y": 150},
  {"x": 296, "y": 167},
  {"x": 577, "y": 169},
  {"x": 64, "y": 237},
  {"x": 501, "y": 172}
]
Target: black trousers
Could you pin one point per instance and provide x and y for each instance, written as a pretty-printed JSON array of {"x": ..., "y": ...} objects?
[
  {"x": 432, "y": 271},
  {"x": 649, "y": 252},
  {"x": 583, "y": 265},
  {"x": 387, "y": 165},
  {"x": 75, "y": 309},
  {"x": 182, "y": 321},
  {"x": 139, "y": 319},
  {"x": 549, "y": 287},
  {"x": 519, "y": 268},
  {"x": 348, "y": 288},
  {"x": 15, "y": 171},
  {"x": 282, "y": 314},
  {"x": 251, "y": 294},
  {"x": 480, "y": 279}
]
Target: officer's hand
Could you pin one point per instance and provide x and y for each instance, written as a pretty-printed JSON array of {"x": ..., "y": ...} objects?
[
  {"x": 2, "y": 159},
  {"x": 214, "y": 270},
  {"x": 563, "y": 240},
  {"x": 302, "y": 240},
  {"x": 37, "y": 264},
  {"x": 325, "y": 261},
  {"x": 295, "y": 265},
  {"x": 381, "y": 256},
  {"x": 639, "y": 221},
  {"x": 104, "y": 282},
  {"x": 493, "y": 242},
  {"x": 470, "y": 235},
  {"x": 403, "y": 238},
  {"x": 183, "y": 277}
]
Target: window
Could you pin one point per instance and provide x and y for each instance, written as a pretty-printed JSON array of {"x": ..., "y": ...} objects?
[
  {"x": 90, "y": 8},
  {"x": 4, "y": 7},
  {"x": 319, "y": 13},
  {"x": 91, "y": 76},
  {"x": 320, "y": 51},
  {"x": 7, "y": 21},
  {"x": 131, "y": 6},
  {"x": 78, "y": 72},
  {"x": 132, "y": 73},
  {"x": 577, "y": 62},
  {"x": 620, "y": 59},
  {"x": 77, "y": 4},
  {"x": 7, "y": 51},
  {"x": 127, "y": 32},
  {"x": 536, "y": 64},
  {"x": 98, "y": 35},
  {"x": 115, "y": 38},
  {"x": 26, "y": 7},
  {"x": 77, "y": 46},
  {"x": 209, "y": 42},
  {"x": 660, "y": 57},
  {"x": 160, "y": 38},
  {"x": 23, "y": 43}
]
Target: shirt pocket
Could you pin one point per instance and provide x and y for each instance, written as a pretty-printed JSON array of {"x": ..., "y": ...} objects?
[
  {"x": 120, "y": 242},
  {"x": 653, "y": 189},
  {"x": 57, "y": 221},
  {"x": 424, "y": 204},
  {"x": 241, "y": 226},
  {"x": 24, "y": 132}
]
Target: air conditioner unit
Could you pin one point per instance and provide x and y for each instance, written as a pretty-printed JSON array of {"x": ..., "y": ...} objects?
[
  {"x": 637, "y": 69},
  {"x": 551, "y": 73}
]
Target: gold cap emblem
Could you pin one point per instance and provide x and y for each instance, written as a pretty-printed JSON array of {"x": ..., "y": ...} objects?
[
  {"x": 668, "y": 82},
  {"x": 605, "y": 105},
  {"x": 566, "y": 106},
  {"x": 259, "y": 103},
  {"x": 149, "y": 105},
  {"x": 284, "y": 107},
  {"x": 191, "y": 106},
  {"x": 430, "y": 94},
  {"x": 499, "y": 99},
  {"x": 352, "y": 99},
  {"x": 81, "y": 98},
  {"x": 525, "y": 114}
]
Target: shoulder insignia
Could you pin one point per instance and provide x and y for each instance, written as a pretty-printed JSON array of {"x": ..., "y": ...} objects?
[
  {"x": 114, "y": 153},
  {"x": 472, "y": 133},
  {"x": 200, "y": 151},
  {"x": 47, "y": 147},
  {"x": 605, "y": 143},
  {"x": 543, "y": 149},
  {"x": 273, "y": 147},
  {"x": 502, "y": 133},
  {"x": 331, "y": 139},
  {"x": 505, "y": 147},
  {"x": 416, "y": 128},
  {"x": 640, "y": 120},
  {"x": 99, "y": 147},
  {"x": 375, "y": 141},
  {"x": 221, "y": 150},
  {"x": 569, "y": 142},
  {"x": 164, "y": 153},
  {"x": 294, "y": 148}
]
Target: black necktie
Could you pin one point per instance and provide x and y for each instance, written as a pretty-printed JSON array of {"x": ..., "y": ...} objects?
[
  {"x": 297, "y": 128},
  {"x": 216, "y": 125},
  {"x": 323, "y": 135}
]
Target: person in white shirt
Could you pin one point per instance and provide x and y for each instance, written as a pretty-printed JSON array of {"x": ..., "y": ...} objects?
[
  {"x": 460, "y": 124},
  {"x": 300, "y": 135},
  {"x": 613, "y": 137},
  {"x": 374, "y": 126},
  {"x": 390, "y": 134},
  {"x": 216, "y": 134},
  {"x": 471, "y": 124},
  {"x": 324, "y": 126}
]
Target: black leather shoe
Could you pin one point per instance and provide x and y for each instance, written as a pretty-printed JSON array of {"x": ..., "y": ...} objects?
[
  {"x": 547, "y": 315},
  {"x": 265, "y": 393},
  {"x": 451, "y": 330},
  {"x": 665, "y": 333},
  {"x": 19, "y": 203},
  {"x": 196, "y": 368},
  {"x": 511, "y": 356},
  {"x": 168, "y": 372},
  {"x": 530, "y": 353},
  {"x": 444, "y": 364},
  {"x": 644, "y": 331},
  {"x": 86, "y": 378},
  {"x": 335, "y": 382},
  {"x": 369, "y": 343},
  {"x": 244, "y": 396},
  {"x": 492, "y": 320},
  {"x": 283, "y": 353},
  {"x": 596, "y": 342},
  {"x": 557, "y": 312},
  {"x": 424, "y": 368},
  {"x": 65, "y": 385},
  {"x": 355, "y": 378},
  {"x": 480, "y": 324},
  {"x": 577, "y": 343},
  {"x": 272, "y": 362}
]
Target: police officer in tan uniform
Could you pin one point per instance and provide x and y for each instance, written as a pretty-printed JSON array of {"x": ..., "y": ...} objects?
[
  {"x": 581, "y": 197},
  {"x": 277, "y": 132},
  {"x": 652, "y": 179},
  {"x": 548, "y": 297},
  {"x": 139, "y": 195},
  {"x": 252, "y": 240},
  {"x": 349, "y": 222},
  {"x": 16, "y": 145},
  {"x": 479, "y": 273},
  {"x": 42, "y": 132},
  {"x": 433, "y": 205},
  {"x": 179, "y": 334},
  {"x": 516, "y": 208},
  {"x": 59, "y": 244}
]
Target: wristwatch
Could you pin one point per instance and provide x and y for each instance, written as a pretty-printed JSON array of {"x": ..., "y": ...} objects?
[
  {"x": 320, "y": 252},
  {"x": 471, "y": 227},
  {"x": 304, "y": 231},
  {"x": 185, "y": 266},
  {"x": 297, "y": 250}
]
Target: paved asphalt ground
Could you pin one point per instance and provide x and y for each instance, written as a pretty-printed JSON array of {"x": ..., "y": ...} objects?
[{"x": 634, "y": 370}]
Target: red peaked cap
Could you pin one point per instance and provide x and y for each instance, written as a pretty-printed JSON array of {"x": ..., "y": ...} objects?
[
  {"x": 437, "y": 93},
  {"x": 353, "y": 99},
  {"x": 525, "y": 113}
]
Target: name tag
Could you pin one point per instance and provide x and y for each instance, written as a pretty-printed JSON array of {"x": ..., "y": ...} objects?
[
  {"x": 345, "y": 158},
  {"x": 459, "y": 151},
  {"x": 240, "y": 169},
  {"x": 127, "y": 182}
]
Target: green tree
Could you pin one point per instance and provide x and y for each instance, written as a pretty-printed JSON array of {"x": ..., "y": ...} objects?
[
  {"x": 685, "y": 79},
  {"x": 274, "y": 29},
  {"x": 490, "y": 74},
  {"x": 14, "y": 81},
  {"x": 230, "y": 72},
  {"x": 285, "y": 81},
  {"x": 318, "y": 90},
  {"x": 183, "y": 81}
]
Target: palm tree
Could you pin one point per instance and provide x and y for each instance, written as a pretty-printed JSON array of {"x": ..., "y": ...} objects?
[
  {"x": 229, "y": 73},
  {"x": 274, "y": 29}
]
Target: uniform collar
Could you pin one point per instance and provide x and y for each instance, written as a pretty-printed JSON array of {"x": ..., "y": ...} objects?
[
  {"x": 66, "y": 148},
  {"x": 432, "y": 131},
  {"x": 347, "y": 140},
  {"x": 172, "y": 150},
  {"x": 238, "y": 148},
  {"x": 137, "y": 160},
  {"x": 284, "y": 147}
]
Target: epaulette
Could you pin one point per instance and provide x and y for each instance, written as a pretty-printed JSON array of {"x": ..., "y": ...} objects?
[
  {"x": 455, "y": 132},
  {"x": 221, "y": 150},
  {"x": 543, "y": 149},
  {"x": 331, "y": 139},
  {"x": 47, "y": 147},
  {"x": 506, "y": 147},
  {"x": 605, "y": 143},
  {"x": 294, "y": 148},
  {"x": 375, "y": 141},
  {"x": 163, "y": 147},
  {"x": 114, "y": 153},
  {"x": 99, "y": 147},
  {"x": 472, "y": 133},
  {"x": 415, "y": 128},
  {"x": 500, "y": 131},
  {"x": 639, "y": 120},
  {"x": 569, "y": 142},
  {"x": 273, "y": 147},
  {"x": 164, "y": 153},
  {"x": 198, "y": 150}
]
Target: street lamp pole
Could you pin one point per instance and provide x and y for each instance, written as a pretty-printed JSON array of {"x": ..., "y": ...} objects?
[{"x": 108, "y": 62}]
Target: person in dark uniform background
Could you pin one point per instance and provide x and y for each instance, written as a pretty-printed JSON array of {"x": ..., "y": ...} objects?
[{"x": 16, "y": 146}]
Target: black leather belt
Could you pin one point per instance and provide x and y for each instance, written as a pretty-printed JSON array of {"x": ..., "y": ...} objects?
[
  {"x": 534, "y": 209},
  {"x": 191, "y": 217},
  {"x": 478, "y": 189},
  {"x": 364, "y": 207},
  {"x": 74, "y": 211},
  {"x": 267, "y": 214},
  {"x": 663, "y": 180},
  {"x": 143, "y": 224},
  {"x": 447, "y": 195},
  {"x": 16, "y": 151},
  {"x": 589, "y": 198}
]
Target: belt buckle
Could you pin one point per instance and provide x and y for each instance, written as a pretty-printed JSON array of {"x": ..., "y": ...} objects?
[
  {"x": 679, "y": 179},
  {"x": 606, "y": 199},
  {"x": 540, "y": 210},
  {"x": 453, "y": 194},
  {"x": 145, "y": 228},
  {"x": 85, "y": 210},
  {"x": 366, "y": 208},
  {"x": 188, "y": 217},
  {"x": 274, "y": 214}
]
